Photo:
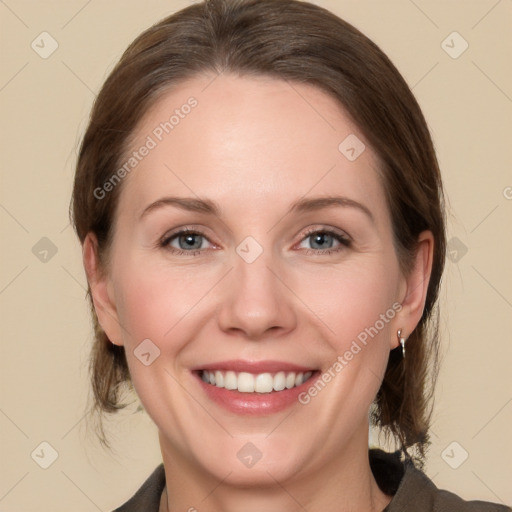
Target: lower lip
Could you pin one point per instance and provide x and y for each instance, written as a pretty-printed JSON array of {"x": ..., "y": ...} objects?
[{"x": 255, "y": 403}]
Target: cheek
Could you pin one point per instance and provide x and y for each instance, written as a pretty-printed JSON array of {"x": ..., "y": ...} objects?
[
  {"x": 155, "y": 300},
  {"x": 357, "y": 307},
  {"x": 352, "y": 298},
  {"x": 165, "y": 305}
]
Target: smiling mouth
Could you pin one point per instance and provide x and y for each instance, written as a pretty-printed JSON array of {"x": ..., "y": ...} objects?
[{"x": 245, "y": 382}]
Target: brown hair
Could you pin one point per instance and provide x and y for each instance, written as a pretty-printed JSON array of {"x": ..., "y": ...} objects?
[{"x": 294, "y": 41}]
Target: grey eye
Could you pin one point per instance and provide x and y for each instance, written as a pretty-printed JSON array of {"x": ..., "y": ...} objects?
[
  {"x": 321, "y": 240},
  {"x": 189, "y": 241}
]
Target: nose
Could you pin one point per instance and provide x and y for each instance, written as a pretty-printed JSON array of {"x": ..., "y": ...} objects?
[{"x": 256, "y": 302}]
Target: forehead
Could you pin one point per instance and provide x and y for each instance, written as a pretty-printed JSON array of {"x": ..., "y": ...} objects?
[{"x": 233, "y": 138}]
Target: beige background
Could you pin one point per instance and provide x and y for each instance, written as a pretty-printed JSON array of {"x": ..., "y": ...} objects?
[{"x": 46, "y": 331}]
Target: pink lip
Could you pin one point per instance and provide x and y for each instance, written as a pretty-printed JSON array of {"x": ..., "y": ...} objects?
[
  {"x": 254, "y": 403},
  {"x": 255, "y": 367}
]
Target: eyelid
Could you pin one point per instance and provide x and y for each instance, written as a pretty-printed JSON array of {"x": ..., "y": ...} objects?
[
  {"x": 331, "y": 229},
  {"x": 319, "y": 228}
]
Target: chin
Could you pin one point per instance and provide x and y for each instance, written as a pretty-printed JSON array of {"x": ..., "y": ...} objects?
[{"x": 251, "y": 460}]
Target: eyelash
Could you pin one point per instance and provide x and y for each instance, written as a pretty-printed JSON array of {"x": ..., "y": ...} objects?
[
  {"x": 344, "y": 241},
  {"x": 164, "y": 244}
]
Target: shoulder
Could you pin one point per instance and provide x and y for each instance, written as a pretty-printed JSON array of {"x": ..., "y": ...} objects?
[
  {"x": 147, "y": 498},
  {"x": 413, "y": 490}
]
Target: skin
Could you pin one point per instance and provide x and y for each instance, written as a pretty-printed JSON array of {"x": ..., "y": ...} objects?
[{"x": 255, "y": 146}]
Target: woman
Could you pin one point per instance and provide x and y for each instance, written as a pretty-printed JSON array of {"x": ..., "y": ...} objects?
[{"x": 261, "y": 214}]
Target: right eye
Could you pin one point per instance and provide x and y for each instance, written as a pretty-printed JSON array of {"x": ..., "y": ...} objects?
[{"x": 186, "y": 241}]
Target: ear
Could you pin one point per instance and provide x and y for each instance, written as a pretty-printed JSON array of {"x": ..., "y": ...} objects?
[
  {"x": 413, "y": 292},
  {"x": 101, "y": 290}
]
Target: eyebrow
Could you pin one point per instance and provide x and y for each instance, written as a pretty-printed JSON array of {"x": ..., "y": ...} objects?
[{"x": 303, "y": 205}]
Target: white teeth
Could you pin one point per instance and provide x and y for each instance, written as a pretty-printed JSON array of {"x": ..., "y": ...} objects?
[
  {"x": 264, "y": 383},
  {"x": 219, "y": 379},
  {"x": 246, "y": 382},
  {"x": 230, "y": 380},
  {"x": 279, "y": 381}
]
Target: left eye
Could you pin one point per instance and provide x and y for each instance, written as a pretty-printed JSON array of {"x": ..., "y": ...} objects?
[{"x": 322, "y": 240}]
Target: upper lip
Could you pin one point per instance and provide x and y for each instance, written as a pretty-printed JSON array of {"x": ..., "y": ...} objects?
[{"x": 255, "y": 367}]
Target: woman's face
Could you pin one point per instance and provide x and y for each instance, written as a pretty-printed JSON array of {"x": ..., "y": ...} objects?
[{"x": 287, "y": 272}]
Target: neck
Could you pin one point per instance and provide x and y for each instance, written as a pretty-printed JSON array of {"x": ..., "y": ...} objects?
[{"x": 345, "y": 484}]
